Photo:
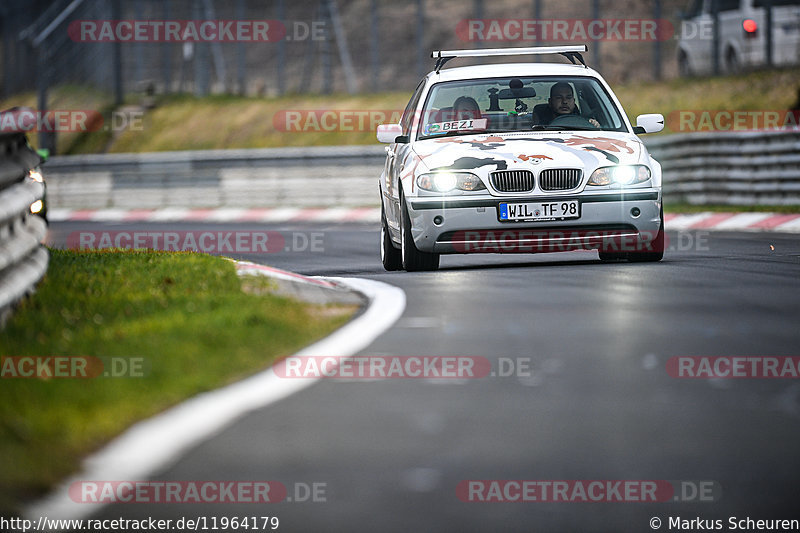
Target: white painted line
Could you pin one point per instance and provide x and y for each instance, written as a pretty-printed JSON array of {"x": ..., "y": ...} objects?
[
  {"x": 281, "y": 214},
  {"x": 59, "y": 214},
  {"x": 109, "y": 215},
  {"x": 156, "y": 443},
  {"x": 226, "y": 215},
  {"x": 741, "y": 221},
  {"x": 169, "y": 214},
  {"x": 334, "y": 214}
]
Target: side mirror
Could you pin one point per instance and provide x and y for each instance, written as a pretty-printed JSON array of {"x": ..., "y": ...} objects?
[
  {"x": 388, "y": 133},
  {"x": 650, "y": 123}
]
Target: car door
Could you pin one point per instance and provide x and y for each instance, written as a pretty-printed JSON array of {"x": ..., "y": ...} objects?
[{"x": 396, "y": 154}]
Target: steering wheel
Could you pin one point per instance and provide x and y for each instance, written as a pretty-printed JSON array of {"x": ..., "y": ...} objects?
[{"x": 574, "y": 121}]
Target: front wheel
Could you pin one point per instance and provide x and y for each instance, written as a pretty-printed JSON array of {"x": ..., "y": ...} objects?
[
  {"x": 684, "y": 69},
  {"x": 732, "y": 62},
  {"x": 413, "y": 260},
  {"x": 390, "y": 256}
]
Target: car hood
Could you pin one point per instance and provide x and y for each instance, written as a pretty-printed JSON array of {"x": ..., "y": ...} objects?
[{"x": 578, "y": 149}]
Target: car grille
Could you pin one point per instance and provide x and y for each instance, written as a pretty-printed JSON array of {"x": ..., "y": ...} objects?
[
  {"x": 512, "y": 180},
  {"x": 560, "y": 179}
]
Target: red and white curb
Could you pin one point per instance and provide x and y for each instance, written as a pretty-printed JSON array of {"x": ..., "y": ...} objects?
[
  {"x": 179, "y": 214},
  {"x": 154, "y": 444},
  {"x": 734, "y": 222},
  {"x": 789, "y": 223}
]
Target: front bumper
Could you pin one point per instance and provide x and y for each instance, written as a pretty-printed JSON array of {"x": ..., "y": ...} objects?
[{"x": 608, "y": 221}]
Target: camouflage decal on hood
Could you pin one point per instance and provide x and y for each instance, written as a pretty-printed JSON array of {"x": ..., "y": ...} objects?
[
  {"x": 489, "y": 143},
  {"x": 468, "y": 163},
  {"x": 568, "y": 150}
]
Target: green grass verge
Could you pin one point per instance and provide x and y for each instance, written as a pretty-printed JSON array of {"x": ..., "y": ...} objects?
[
  {"x": 183, "y": 122},
  {"x": 186, "y": 315}
]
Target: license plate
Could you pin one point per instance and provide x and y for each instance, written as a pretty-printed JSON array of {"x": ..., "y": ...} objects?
[{"x": 539, "y": 211}]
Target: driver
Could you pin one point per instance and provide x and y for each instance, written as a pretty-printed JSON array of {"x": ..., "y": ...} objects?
[{"x": 561, "y": 102}]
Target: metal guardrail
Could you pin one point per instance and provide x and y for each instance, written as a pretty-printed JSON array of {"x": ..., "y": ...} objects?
[
  {"x": 745, "y": 168},
  {"x": 269, "y": 177},
  {"x": 733, "y": 168},
  {"x": 23, "y": 260}
]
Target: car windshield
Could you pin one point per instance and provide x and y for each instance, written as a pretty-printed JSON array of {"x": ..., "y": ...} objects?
[{"x": 500, "y": 105}]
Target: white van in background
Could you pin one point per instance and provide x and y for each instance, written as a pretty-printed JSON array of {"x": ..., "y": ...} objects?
[{"x": 742, "y": 35}]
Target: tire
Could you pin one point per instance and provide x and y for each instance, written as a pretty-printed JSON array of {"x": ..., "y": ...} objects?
[
  {"x": 732, "y": 62},
  {"x": 390, "y": 256},
  {"x": 413, "y": 260},
  {"x": 657, "y": 247}
]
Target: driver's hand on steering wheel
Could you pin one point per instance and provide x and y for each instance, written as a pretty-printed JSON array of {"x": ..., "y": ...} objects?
[{"x": 594, "y": 123}]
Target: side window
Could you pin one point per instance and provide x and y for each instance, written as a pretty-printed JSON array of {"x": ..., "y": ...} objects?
[
  {"x": 775, "y": 3},
  {"x": 695, "y": 9},
  {"x": 408, "y": 114}
]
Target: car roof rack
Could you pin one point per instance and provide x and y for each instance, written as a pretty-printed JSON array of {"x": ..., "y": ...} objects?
[{"x": 570, "y": 52}]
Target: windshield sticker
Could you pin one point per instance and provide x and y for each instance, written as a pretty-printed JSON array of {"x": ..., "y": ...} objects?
[{"x": 442, "y": 128}]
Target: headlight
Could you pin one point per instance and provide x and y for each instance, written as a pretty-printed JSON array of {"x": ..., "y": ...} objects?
[
  {"x": 447, "y": 181},
  {"x": 36, "y": 175},
  {"x": 621, "y": 175},
  {"x": 36, "y": 207}
]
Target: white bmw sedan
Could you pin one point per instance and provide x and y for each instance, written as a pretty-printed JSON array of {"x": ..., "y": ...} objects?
[{"x": 518, "y": 158}]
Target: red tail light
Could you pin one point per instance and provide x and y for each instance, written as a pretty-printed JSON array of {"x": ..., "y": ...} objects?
[{"x": 750, "y": 26}]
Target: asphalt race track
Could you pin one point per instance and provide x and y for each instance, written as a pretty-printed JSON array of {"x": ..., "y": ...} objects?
[{"x": 589, "y": 396}]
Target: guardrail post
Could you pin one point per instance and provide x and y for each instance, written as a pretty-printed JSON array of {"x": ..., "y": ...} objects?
[
  {"x": 657, "y": 42},
  {"x": 768, "y": 9},
  {"x": 47, "y": 139},
  {"x": 23, "y": 259}
]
